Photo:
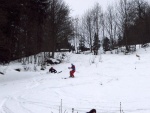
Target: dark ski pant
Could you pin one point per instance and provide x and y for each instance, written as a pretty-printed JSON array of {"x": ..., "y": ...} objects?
[{"x": 72, "y": 73}]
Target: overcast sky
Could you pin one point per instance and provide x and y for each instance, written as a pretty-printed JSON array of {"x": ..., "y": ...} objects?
[{"x": 78, "y": 7}]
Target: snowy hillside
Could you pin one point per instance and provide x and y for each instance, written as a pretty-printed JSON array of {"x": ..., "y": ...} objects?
[{"x": 100, "y": 85}]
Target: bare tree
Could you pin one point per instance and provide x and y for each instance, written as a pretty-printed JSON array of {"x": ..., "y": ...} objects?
[
  {"x": 87, "y": 23},
  {"x": 103, "y": 25},
  {"x": 96, "y": 14},
  {"x": 110, "y": 24}
]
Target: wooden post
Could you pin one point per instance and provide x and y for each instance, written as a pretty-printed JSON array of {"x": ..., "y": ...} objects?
[
  {"x": 120, "y": 107},
  {"x": 72, "y": 110},
  {"x": 59, "y": 109},
  {"x": 61, "y": 105}
]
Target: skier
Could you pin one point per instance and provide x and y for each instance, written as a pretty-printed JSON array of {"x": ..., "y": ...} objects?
[
  {"x": 72, "y": 71},
  {"x": 52, "y": 70}
]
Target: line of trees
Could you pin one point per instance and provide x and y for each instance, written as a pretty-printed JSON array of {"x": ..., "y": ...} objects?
[
  {"x": 28, "y": 27},
  {"x": 123, "y": 24}
]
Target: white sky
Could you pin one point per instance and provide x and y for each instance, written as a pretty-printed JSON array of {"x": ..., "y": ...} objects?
[{"x": 78, "y": 7}]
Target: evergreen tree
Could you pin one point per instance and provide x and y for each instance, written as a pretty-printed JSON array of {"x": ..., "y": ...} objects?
[
  {"x": 106, "y": 44},
  {"x": 28, "y": 27},
  {"x": 96, "y": 44},
  {"x": 82, "y": 44}
]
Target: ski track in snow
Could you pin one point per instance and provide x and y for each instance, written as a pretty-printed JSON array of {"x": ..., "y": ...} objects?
[{"x": 2, "y": 104}]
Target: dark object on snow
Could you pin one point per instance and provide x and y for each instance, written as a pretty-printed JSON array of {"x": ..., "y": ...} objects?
[
  {"x": 1, "y": 73},
  {"x": 18, "y": 70},
  {"x": 49, "y": 61},
  {"x": 145, "y": 45},
  {"x": 92, "y": 111},
  {"x": 59, "y": 61},
  {"x": 59, "y": 72},
  {"x": 64, "y": 78},
  {"x": 56, "y": 63},
  {"x": 42, "y": 69},
  {"x": 52, "y": 70}
]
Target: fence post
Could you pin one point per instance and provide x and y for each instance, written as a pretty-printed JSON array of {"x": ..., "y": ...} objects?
[
  {"x": 61, "y": 105},
  {"x": 72, "y": 110},
  {"x": 59, "y": 109},
  {"x": 120, "y": 107}
]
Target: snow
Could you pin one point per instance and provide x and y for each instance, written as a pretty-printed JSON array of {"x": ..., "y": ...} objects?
[{"x": 100, "y": 85}]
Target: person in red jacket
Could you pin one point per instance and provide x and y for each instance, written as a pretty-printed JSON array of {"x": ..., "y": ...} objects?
[{"x": 72, "y": 70}]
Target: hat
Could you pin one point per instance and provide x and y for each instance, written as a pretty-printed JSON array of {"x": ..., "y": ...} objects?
[{"x": 92, "y": 111}]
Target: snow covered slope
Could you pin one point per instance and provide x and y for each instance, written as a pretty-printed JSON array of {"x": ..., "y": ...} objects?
[{"x": 100, "y": 85}]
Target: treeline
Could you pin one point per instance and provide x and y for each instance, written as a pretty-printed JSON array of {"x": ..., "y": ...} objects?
[
  {"x": 28, "y": 27},
  {"x": 136, "y": 23},
  {"x": 125, "y": 23}
]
